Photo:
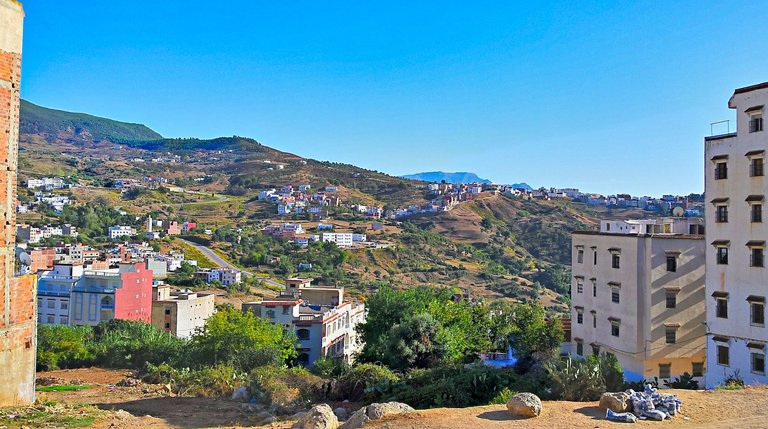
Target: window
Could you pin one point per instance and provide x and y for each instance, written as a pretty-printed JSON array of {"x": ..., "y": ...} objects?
[
  {"x": 615, "y": 329},
  {"x": 579, "y": 287},
  {"x": 721, "y": 214},
  {"x": 757, "y": 313},
  {"x": 579, "y": 318},
  {"x": 580, "y": 256},
  {"x": 758, "y": 363},
  {"x": 594, "y": 320},
  {"x": 671, "y": 263},
  {"x": 594, "y": 288},
  {"x": 615, "y": 295},
  {"x": 50, "y": 319},
  {"x": 756, "y": 213},
  {"x": 721, "y": 170},
  {"x": 697, "y": 369},
  {"x": 51, "y": 303},
  {"x": 722, "y": 255},
  {"x": 615, "y": 260},
  {"x": 64, "y": 305},
  {"x": 302, "y": 334},
  {"x": 595, "y": 349},
  {"x": 756, "y": 167},
  {"x": 721, "y": 308},
  {"x": 722, "y": 355},
  {"x": 286, "y": 309},
  {"x": 665, "y": 370},
  {"x": 579, "y": 348},
  {"x": 671, "y": 335},
  {"x": 671, "y": 299},
  {"x": 167, "y": 325},
  {"x": 64, "y": 320},
  {"x": 271, "y": 314},
  {"x": 594, "y": 257},
  {"x": 755, "y": 123},
  {"x": 756, "y": 257},
  {"x": 167, "y": 311}
]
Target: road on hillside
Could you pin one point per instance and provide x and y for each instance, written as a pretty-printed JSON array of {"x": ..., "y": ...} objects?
[{"x": 218, "y": 260}]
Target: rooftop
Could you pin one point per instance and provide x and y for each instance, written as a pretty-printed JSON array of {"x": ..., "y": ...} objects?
[{"x": 755, "y": 87}]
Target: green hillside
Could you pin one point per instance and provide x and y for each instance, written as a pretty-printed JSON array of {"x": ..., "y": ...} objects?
[{"x": 36, "y": 119}]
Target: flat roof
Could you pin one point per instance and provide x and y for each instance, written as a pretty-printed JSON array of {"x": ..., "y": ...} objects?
[
  {"x": 755, "y": 87},
  {"x": 616, "y": 234}
]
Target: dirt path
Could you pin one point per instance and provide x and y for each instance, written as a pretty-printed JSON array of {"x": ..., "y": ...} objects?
[{"x": 151, "y": 406}]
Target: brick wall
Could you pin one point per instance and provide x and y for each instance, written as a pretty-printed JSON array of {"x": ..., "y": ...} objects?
[{"x": 17, "y": 294}]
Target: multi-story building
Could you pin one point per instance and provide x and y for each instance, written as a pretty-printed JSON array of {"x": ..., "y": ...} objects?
[
  {"x": 180, "y": 313},
  {"x": 226, "y": 276},
  {"x": 120, "y": 231},
  {"x": 18, "y": 338},
  {"x": 71, "y": 295},
  {"x": 736, "y": 276},
  {"x": 324, "y": 325},
  {"x": 342, "y": 239},
  {"x": 637, "y": 292}
]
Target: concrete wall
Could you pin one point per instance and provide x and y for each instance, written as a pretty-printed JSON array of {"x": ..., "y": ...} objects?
[
  {"x": 738, "y": 279},
  {"x": 17, "y": 295}
]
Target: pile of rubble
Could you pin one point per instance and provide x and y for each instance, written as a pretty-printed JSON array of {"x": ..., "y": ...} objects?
[{"x": 628, "y": 406}]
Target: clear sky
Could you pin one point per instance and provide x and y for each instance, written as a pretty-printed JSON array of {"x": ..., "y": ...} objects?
[{"x": 604, "y": 96}]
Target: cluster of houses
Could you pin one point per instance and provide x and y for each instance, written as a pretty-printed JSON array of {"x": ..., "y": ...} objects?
[
  {"x": 685, "y": 295},
  {"x": 30, "y": 234},
  {"x": 295, "y": 233},
  {"x": 47, "y": 183},
  {"x": 144, "y": 182},
  {"x": 301, "y": 200},
  {"x": 57, "y": 202}
]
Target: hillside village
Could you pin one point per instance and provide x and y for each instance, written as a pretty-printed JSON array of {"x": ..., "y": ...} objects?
[{"x": 169, "y": 282}]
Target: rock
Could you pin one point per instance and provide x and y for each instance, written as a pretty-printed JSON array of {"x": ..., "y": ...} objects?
[
  {"x": 524, "y": 405},
  {"x": 128, "y": 382},
  {"x": 618, "y": 402},
  {"x": 375, "y": 412},
  {"x": 341, "y": 413},
  {"x": 50, "y": 381},
  {"x": 240, "y": 394},
  {"x": 268, "y": 421},
  {"x": 264, "y": 415},
  {"x": 319, "y": 417}
]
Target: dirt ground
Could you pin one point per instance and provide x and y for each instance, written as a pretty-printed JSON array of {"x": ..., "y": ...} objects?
[{"x": 151, "y": 406}]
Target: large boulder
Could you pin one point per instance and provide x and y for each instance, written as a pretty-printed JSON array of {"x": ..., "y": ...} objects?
[
  {"x": 524, "y": 405},
  {"x": 375, "y": 412},
  {"x": 319, "y": 417},
  {"x": 618, "y": 402}
]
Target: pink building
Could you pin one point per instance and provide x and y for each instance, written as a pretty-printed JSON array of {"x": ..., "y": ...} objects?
[{"x": 120, "y": 293}]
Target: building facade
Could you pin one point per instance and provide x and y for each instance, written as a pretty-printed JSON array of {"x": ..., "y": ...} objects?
[
  {"x": 180, "y": 313},
  {"x": 736, "y": 278},
  {"x": 18, "y": 340},
  {"x": 640, "y": 297}
]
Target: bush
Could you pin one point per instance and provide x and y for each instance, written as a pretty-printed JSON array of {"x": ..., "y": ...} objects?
[
  {"x": 684, "y": 381},
  {"x": 129, "y": 344},
  {"x": 503, "y": 396},
  {"x": 366, "y": 382},
  {"x": 60, "y": 346},
  {"x": 327, "y": 367},
  {"x": 220, "y": 380},
  {"x": 585, "y": 379},
  {"x": 284, "y": 390}
]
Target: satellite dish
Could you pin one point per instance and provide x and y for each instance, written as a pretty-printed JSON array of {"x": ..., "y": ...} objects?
[{"x": 678, "y": 211}]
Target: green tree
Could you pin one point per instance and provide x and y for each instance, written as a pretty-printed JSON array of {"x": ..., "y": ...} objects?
[
  {"x": 532, "y": 335},
  {"x": 230, "y": 334},
  {"x": 414, "y": 343}
]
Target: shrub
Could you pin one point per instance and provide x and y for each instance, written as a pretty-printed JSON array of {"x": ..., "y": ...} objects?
[
  {"x": 580, "y": 380},
  {"x": 285, "y": 390},
  {"x": 366, "y": 381},
  {"x": 219, "y": 380},
  {"x": 60, "y": 346},
  {"x": 130, "y": 344},
  {"x": 327, "y": 367},
  {"x": 684, "y": 381},
  {"x": 503, "y": 396}
]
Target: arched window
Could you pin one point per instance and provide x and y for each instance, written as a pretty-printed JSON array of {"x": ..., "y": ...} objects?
[
  {"x": 106, "y": 301},
  {"x": 303, "y": 334}
]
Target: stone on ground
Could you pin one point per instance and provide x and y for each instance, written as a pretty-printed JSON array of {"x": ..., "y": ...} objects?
[
  {"x": 618, "y": 402},
  {"x": 319, "y": 417},
  {"x": 375, "y": 412},
  {"x": 524, "y": 405}
]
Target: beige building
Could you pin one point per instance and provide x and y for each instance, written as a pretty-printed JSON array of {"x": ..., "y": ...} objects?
[
  {"x": 180, "y": 312},
  {"x": 737, "y": 279},
  {"x": 638, "y": 293}
]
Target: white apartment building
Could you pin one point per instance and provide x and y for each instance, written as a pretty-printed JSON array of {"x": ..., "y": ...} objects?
[
  {"x": 342, "y": 239},
  {"x": 121, "y": 231},
  {"x": 736, "y": 276},
  {"x": 180, "y": 313},
  {"x": 640, "y": 296}
]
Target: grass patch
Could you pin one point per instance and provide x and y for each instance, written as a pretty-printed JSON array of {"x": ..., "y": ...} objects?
[
  {"x": 51, "y": 414},
  {"x": 62, "y": 388},
  {"x": 191, "y": 252}
]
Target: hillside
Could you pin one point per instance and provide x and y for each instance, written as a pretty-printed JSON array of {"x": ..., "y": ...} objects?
[
  {"x": 439, "y": 176},
  {"x": 68, "y": 126}
]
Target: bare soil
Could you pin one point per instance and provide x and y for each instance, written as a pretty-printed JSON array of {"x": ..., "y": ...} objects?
[{"x": 152, "y": 406}]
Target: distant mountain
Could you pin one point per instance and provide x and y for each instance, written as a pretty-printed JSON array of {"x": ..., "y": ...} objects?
[
  {"x": 61, "y": 125},
  {"x": 439, "y": 176},
  {"x": 522, "y": 185}
]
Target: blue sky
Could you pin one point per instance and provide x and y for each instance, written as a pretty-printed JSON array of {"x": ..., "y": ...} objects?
[{"x": 607, "y": 96}]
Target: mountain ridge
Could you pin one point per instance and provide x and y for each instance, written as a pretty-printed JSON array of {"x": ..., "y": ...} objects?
[{"x": 460, "y": 177}]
